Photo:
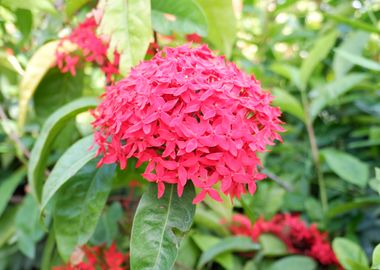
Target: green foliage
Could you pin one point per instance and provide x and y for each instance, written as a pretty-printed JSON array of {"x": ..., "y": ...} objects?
[
  {"x": 158, "y": 227},
  {"x": 349, "y": 254}
]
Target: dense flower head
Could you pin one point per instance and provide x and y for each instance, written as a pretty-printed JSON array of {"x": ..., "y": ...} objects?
[
  {"x": 96, "y": 258},
  {"x": 293, "y": 231},
  {"x": 92, "y": 49},
  {"x": 191, "y": 116}
]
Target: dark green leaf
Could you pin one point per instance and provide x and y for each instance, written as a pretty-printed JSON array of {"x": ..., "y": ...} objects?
[
  {"x": 158, "y": 227},
  {"x": 79, "y": 205},
  {"x": 349, "y": 206},
  {"x": 226, "y": 245},
  {"x": 7, "y": 225},
  {"x": 50, "y": 130},
  {"x": 221, "y": 24},
  {"x": 347, "y": 166},
  {"x": 189, "y": 17},
  {"x": 67, "y": 166},
  {"x": 346, "y": 250}
]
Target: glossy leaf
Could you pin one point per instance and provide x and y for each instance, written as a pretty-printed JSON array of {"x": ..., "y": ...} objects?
[
  {"x": 49, "y": 131},
  {"x": 128, "y": 26},
  {"x": 79, "y": 205},
  {"x": 188, "y": 17},
  {"x": 353, "y": 43},
  {"x": 229, "y": 244},
  {"x": 36, "y": 69},
  {"x": 346, "y": 251},
  {"x": 319, "y": 51},
  {"x": 330, "y": 92},
  {"x": 8, "y": 186},
  {"x": 347, "y": 167},
  {"x": 221, "y": 32},
  {"x": 294, "y": 262},
  {"x": 28, "y": 227},
  {"x": 158, "y": 227},
  {"x": 359, "y": 60},
  {"x": 288, "y": 103},
  {"x": 67, "y": 166}
]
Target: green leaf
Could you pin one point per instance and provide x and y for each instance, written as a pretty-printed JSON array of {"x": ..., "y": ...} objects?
[
  {"x": 288, "y": 103},
  {"x": 210, "y": 220},
  {"x": 188, "y": 255},
  {"x": 347, "y": 167},
  {"x": 272, "y": 245},
  {"x": 67, "y": 166},
  {"x": 189, "y": 17},
  {"x": 319, "y": 51},
  {"x": 107, "y": 229},
  {"x": 346, "y": 250},
  {"x": 28, "y": 227},
  {"x": 376, "y": 258},
  {"x": 55, "y": 90},
  {"x": 24, "y": 23},
  {"x": 204, "y": 242},
  {"x": 227, "y": 245},
  {"x": 158, "y": 227},
  {"x": 79, "y": 205},
  {"x": 358, "y": 60},
  {"x": 49, "y": 131},
  {"x": 353, "y": 43},
  {"x": 358, "y": 203},
  {"x": 72, "y": 6},
  {"x": 294, "y": 262},
  {"x": 128, "y": 25},
  {"x": 7, "y": 224},
  {"x": 356, "y": 24},
  {"x": 42, "y": 5},
  {"x": 221, "y": 24},
  {"x": 8, "y": 186},
  {"x": 330, "y": 92}
]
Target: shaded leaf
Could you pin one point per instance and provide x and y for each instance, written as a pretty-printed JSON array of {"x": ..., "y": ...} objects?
[
  {"x": 227, "y": 245},
  {"x": 67, "y": 166},
  {"x": 221, "y": 32},
  {"x": 49, "y": 131},
  {"x": 272, "y": 245},
  {"x": 347, "y": 166},
  {"x": 288, "y": 103},
  {"x": 158, "y": 227},
  {"x": 189, "y": 17},
  {"x": 358, "y": 203},
  {"x": 8, "y": 186},
  {"x": 128, "y": 26},
  {"x": 79, "y": 205}
]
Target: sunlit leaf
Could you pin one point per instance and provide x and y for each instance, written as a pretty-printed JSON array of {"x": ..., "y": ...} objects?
[
  {"x": 347, "y": 251},
  {"x": 358, "y": 60}
]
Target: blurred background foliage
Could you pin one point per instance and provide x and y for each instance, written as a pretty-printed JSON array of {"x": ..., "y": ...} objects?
[{"x": 321, "y": 61}]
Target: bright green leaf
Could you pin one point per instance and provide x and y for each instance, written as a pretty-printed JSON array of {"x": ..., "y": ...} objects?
[
  {"x": 376, "y": 258},
  {"x": 128, "y": 25},
  {"x": 159, "y": 225},
  {"x": 189, "y": 17},
  {"x": 288, "y": 103},
  {"x": 49, "y": 131},
  {"x": 347, "y": 167},
  {"x": 346, "y": 250},
  {"x": 358, "y": 60},
  {"x": 319, "y": 51},
  {"x": 294, "y": 262},
  {"x": 330, "y": 92},
  {"x": 79, "y": 205},
  {"x": 67, "y": 166},
  {"x": 353, "y": 43},
  {"x": 356, "y": 24},
  {"x": 8, "y": 186},
  {"x": 42, "y": 5},
  {"x": 72, "y": 6},
  {"x": 272, "y": 245},
  {"x": 227, "y": 245},
  {"x": 221, "y": 24}
]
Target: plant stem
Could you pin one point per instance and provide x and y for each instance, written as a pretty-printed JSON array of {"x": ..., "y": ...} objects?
[{"x": 314, "y": 151}]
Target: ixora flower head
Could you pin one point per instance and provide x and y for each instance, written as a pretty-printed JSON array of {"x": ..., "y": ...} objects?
[
  {"x": 92, "y": 49},
  {"x": 191, "y": 116},
  {"x": 293, "y": 231}
]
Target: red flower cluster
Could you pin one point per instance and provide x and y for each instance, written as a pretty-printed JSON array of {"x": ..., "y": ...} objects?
[
  {"x": 191, "y": 116},
  {"x": 93, "y": 50},
  {"x": 99, "y": 257},
  {"x": 292, "y": 230}
]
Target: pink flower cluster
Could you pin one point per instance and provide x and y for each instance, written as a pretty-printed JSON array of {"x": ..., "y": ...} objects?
[
  {"x": 92, "y": 48},
  {"x": 191, "y": 116},
  {"x": 292, "y": 230}
]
